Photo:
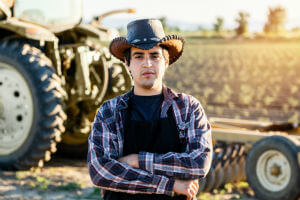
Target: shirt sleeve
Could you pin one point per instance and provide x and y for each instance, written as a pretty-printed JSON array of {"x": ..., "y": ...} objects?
[
  {"x": 195, "y": 162},
  {"x": 108, "y": 173}
]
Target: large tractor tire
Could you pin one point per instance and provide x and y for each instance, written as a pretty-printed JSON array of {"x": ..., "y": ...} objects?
[
  {"x": 273, "y": 170},
  {"x": 31, "y": 113}
]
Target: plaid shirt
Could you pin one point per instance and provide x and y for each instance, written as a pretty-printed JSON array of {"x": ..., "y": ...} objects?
[{"x": 156, "y": 172}]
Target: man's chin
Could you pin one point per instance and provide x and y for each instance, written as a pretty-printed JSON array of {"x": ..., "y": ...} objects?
[{"x": 148, "y": 85}]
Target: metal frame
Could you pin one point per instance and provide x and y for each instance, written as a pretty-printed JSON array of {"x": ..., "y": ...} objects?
[{"x": 244, "y": 131}]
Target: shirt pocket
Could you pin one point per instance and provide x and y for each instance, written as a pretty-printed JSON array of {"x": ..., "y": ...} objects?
[
  {"x": 183, "y": 135},
  {"x": 183, "y": 129}
]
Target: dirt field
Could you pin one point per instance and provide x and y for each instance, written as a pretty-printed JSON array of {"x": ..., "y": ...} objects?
[
  {"x": 66, "y": 179},
  {"x": 241, "y": 79},
  {"x": 59, "y": 179},
  {"x": 251, "y": 80}
]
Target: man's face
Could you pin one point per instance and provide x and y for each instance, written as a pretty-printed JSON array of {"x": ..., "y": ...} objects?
[{"x": 147, "y": 67}]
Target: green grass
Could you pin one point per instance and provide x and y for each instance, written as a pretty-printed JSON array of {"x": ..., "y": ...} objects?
[
  {"x": 21, "y": 174},
  {"x": 70, "y": 186},
  {"x": 42, "y": 182},
  {"x": 95, "y": 194},
  {"x": 230, "y": 190}
]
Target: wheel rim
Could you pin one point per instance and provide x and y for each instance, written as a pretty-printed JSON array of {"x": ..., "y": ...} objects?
[
  {"x": 16, "y": 109},
  {"x": 273, "y": 170}
]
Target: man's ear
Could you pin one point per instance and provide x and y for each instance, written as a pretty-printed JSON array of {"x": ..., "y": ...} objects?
[
  {"x": 126, "y": 64},
  {"x": 167, "y": 63}
]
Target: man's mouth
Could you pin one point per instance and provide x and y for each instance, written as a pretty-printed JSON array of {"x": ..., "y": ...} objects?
[{"x": 148, "y": 73}]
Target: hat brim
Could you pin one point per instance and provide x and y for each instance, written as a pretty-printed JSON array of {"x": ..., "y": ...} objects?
[{"x": 173, "y": 43}]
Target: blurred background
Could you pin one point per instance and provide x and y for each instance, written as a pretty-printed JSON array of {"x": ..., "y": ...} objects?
[
  {"x": 196, "y": 15},
  {"x": 241, "y": 58}
]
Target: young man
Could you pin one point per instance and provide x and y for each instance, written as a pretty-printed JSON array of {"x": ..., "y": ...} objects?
[{"x": 150, "y": 143}]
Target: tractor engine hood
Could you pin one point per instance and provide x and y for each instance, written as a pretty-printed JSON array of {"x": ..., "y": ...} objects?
[{"x": 52, "y": 14}]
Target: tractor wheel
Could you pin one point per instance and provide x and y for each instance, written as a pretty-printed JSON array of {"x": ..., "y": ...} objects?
[
  {"x": 74, "y": 142},
  {"x": 119, "y": 80},
  {"x": 31, "y": 113},
  {"x": 272, "y": 169},
  {"x": 115, "y": 80}
]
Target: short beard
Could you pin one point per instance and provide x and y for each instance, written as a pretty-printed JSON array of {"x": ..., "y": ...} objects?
[{"x": 148, "y": 85}]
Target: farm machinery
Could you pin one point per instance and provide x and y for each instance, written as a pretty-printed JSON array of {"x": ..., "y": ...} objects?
[
  {"x": 265, "y": 154},
  {"x": 54, "y": 74}
]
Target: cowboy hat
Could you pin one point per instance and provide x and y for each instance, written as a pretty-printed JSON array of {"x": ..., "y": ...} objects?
[{"x": 145, "y": 34}]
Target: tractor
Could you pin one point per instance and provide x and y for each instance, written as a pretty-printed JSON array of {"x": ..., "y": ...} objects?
[{"x": 55, "y": 72}]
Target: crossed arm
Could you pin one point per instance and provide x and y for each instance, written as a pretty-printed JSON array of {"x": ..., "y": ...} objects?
[
  {"x": 185, "y": 187},
  {"x": 147, "y": 172}
]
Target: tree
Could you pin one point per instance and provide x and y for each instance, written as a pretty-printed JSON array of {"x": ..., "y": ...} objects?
[
  {"x": 276, "y": 20},
  {"x": 242, "y": 21},
  {"x": 200, "y": 28},
  {"x": 218, "y": 26}
]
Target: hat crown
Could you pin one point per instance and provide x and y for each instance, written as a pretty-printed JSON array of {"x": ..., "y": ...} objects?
[{"x": 145, "y": 31}]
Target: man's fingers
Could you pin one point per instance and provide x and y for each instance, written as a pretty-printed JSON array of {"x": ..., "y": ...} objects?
[
  {"x": 197, "y": 182},
  {"x": 187, "y": 188},
  {"x": 193, "y": 185},
  {"x": 191, "y": 193},
  {"x": 195, "y": 188}
]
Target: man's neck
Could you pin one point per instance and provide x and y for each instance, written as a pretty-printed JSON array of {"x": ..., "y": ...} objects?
[{"x": 147, "y": 92}]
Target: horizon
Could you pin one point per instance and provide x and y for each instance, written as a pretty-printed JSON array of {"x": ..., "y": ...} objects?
[{"x": 196, "y": 13}]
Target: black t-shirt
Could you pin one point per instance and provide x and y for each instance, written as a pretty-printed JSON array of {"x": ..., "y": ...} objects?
[{"x": 146, "y": 108}]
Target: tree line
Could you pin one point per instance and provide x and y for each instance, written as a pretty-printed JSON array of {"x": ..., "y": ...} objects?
[{"x": 276, "y": 20}]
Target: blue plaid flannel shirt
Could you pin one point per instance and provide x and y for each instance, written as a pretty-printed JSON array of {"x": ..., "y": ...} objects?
[{"x": 156, "y": 172}]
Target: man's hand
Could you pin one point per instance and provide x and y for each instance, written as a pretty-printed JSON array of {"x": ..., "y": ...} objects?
[
  {"x": 131, "y": 160},
  {"x": 187, "y": 188}
]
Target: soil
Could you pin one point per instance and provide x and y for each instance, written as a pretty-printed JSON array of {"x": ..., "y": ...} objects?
[{"x": 67, "y": 179}]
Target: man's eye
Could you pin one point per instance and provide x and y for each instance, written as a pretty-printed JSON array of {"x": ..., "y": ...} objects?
[
  {"x": 155, "y": 56},
  {"x": 138, "y": 56}
]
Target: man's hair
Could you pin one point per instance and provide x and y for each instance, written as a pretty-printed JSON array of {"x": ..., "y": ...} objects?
[{"x": 127, "y": 53}]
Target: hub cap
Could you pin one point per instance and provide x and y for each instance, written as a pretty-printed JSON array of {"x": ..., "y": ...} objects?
[
  {"x": 16, "y": 109},
  {"x": 273, "y": 170}
]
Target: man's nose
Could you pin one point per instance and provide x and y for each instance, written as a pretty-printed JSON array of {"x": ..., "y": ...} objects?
[{"x": 147, "y": 62}]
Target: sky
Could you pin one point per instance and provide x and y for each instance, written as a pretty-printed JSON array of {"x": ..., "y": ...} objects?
[{"x": 193, "y": 13}]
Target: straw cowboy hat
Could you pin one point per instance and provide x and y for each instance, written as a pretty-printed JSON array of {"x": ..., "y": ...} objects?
[{"x": 145, "y": 34}]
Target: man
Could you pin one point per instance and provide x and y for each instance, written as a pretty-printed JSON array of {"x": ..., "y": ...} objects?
[{"x": 150, "y": 143}]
